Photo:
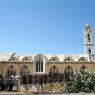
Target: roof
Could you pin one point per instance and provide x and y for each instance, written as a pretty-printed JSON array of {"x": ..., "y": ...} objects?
[
  {"x": 5, "y": 56},
  {"x": 60, "y": 57}
]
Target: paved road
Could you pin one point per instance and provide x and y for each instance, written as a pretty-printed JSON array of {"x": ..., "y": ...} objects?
[{"x": 23, "y": 93}]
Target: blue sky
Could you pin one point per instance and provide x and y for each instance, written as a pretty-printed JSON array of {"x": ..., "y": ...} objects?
[{"x": 44, "y": 26}]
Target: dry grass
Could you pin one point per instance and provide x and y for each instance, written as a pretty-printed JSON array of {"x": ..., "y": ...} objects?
[{"x": 53, "y": 87}]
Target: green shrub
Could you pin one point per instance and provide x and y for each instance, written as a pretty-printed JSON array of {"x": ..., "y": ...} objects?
[{"x": 81, "y": 82}]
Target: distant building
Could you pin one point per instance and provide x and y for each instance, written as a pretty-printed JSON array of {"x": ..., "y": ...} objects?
[{"x": 49, "y": 67}]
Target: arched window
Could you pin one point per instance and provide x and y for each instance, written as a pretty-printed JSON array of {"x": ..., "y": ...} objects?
[
  {"x": 68, "y": 59},
  {"x": 83, "y": 68},
  {"x": 27, "y": 59},
  {"x": 89, "y": 51},
  {"x": 54, "y": 59},
  {"x": 24, "y": 71},
  {"x": 14, "y": 59},
  {"x": 39, "y": 65},
  {"x": 88, "y": 37},
  {"x": 82, "y": 59},
  {"x": 68, "y": 73},
  {"x": 11, "y": 71},
  {"x": 53, "y": 74}
]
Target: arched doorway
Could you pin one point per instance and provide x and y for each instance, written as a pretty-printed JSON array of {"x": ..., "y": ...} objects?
[
  {"x": 68, "y": 73},
  {"x": 53, "y": 74},
  {"x": 24, "y": 73}
]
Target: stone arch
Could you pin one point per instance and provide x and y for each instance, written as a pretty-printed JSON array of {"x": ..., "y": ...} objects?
[
  {"x": 53, "y": 74},
  {"x": 27, "y": 59},
  {"x": 83, "y": 68},
  {"x": 68, "y": 73},
  {"x": 39, "y": 63},
  {"x": 68, "y": 59},
  {"x": 24, "y": 73},
  {"x": 82, "y": 59},
  {"x": 41, "y": 56},
  {"x": 11, "y": 71},
  {"x": 14, "y": 59},
  {"x": 54, "y": 59}
]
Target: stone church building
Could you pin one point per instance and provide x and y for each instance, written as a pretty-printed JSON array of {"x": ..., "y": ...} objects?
[{"x": 49, "y": 67}]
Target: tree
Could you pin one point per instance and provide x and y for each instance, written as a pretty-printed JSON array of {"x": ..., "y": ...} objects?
[{"x": 81, "y": 82}]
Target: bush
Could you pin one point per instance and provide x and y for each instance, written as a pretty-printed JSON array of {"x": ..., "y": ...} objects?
[{"x": 81, "y": 82}]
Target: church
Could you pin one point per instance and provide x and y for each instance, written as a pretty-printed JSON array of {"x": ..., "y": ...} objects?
[{"x": 47, "y": 68}]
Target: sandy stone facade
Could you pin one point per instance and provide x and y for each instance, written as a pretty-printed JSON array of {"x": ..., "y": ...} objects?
[{"x": 33, "y": 68}]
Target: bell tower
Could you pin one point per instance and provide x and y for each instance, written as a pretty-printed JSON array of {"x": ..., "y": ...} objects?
[{"x": 88, "y": 42}]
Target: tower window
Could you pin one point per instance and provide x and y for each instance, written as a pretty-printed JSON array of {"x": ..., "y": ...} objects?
[
  {"x": 88, "y": 36},
  {"x": 89, "y": 51}
]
